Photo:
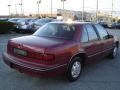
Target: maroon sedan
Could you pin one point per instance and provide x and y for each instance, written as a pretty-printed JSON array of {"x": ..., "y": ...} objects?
[{"x": 60, "y": 48}]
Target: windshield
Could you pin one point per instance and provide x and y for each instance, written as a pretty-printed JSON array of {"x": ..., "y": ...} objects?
[
  {"x": 42, "y": 21},
  {"x": 56, "y": 30},
  {"x": 21, "y": 20},
  {"x": 13, "y": 20},
  {"x": 24, "y": 20}
]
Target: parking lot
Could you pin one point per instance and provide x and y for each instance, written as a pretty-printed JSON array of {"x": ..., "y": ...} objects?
[{"x": 103, "y": 75}]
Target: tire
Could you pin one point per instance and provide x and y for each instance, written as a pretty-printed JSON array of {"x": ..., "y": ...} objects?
[
  {"x": 74, "y": 69},
  {"x": 114, "y": 52},
  {"x": 18, "y": 31}
]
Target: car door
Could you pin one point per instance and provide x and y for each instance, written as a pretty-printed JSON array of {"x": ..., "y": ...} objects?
[
  {"x": 90, "y": 41},
  {"x": 108, "y": 43}
]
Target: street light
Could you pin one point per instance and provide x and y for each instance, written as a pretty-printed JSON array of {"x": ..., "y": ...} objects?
[
  {"x": 9, "y": 6},
  {"x": 38, "y": 3},
  {"x": 83, "y": 11}
]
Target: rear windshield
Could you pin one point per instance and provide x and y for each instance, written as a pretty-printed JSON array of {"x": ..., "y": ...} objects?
[
  {"x": 43, "y": 21},
  {"x": 65, "y": 31}
]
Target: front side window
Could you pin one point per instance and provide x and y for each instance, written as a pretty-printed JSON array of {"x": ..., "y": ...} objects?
[
  {"x": 91, "y": 33},
  {"x": 102, "y": 32},
  {"x": 65, "y": 31}
]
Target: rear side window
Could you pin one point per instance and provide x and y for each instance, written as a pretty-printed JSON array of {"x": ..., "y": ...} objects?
[
  {"x": 91, "y": 33},
  {"x": 84, "y": 36},
  {"x": 102, "y": 32}
]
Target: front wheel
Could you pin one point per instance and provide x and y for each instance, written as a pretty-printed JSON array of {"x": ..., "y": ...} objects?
[
  {"x": 74, "y": 69},
  {"x": 114, "y": 52}
]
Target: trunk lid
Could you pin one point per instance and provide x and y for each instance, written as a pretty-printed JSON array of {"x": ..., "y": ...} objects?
[{"x": 30, "y": 47}]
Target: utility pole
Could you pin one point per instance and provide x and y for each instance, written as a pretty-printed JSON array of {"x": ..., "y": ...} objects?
[
  {"x": 83, "y": 11},
  {"x": 38, "y": 3},
  {"x": 97, "y": 11}
]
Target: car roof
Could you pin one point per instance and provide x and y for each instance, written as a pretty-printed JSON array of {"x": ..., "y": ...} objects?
[{"x": 73, "y": 22}]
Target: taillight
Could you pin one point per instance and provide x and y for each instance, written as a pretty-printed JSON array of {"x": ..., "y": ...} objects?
[
  {"x": 38, "y": 56},
  {"x": 43, "y": 57},
  {"x": 35, "y": 55},
  {"x": 8, "y": 47},
  {"x": 48, "y": 57}
]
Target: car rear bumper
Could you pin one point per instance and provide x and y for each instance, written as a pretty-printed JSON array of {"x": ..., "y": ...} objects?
[{"x": 34, "y": 71}]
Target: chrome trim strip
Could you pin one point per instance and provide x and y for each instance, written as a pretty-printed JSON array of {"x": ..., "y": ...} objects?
[
  {"x": 99, "y": 52},
  {"x": 26, "y": 66}
]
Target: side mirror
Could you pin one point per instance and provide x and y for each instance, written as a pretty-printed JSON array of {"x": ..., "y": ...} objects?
[{"x": 110, "y": 36}]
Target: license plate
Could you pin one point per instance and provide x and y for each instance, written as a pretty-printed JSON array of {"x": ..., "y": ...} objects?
[{"x": 20, "y": 52}]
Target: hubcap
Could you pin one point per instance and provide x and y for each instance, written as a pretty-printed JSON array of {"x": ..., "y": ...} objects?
[
  {"x": 115, "y": 51},
  {"x": 76, "y": 68}
]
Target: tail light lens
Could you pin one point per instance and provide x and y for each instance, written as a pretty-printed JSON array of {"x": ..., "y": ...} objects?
[
  {"x": 44, "y": 57},
  {"x": 48, "y": 57},
  {"x": 8, "y": 47},
  {"x": 38, "y": 56}
]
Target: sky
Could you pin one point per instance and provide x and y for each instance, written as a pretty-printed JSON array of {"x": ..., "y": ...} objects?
[{"x": 30, "y": 6}]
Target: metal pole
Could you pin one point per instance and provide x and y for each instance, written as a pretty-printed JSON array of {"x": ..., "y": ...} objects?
[
  {"x": 38, "y": 6},
  {"x": 51, "y": 8},
  {"x": 21, "y": 7},
  {"x": 112, "y": 11},
  {"x": 16, "y": 9},
  {"x": 9, "y": 9},
  {"x": 63, "y": 5},
  {"x": 63, "y": 8},
  {"x": 63, "y": 1},
  {"x": 83, "y": 11},
  {"x": 38, "y": 3},
  {"x": 97, "y": 12}
]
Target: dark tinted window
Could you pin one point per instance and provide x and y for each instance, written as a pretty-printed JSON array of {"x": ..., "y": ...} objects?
[
  {"x": 84, "y": 35},
  {"x": 102, "y": 32},
  {"x": 43, "y": 21},
  {"x": 56, "y": 30},
  {"x": 91, "y": 33}
]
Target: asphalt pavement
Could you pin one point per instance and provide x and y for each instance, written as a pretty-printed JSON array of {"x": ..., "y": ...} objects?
[{"x": 103, "y": 75}]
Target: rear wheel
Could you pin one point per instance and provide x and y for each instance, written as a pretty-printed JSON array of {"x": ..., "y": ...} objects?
[{"x": 74, "y": 69}]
